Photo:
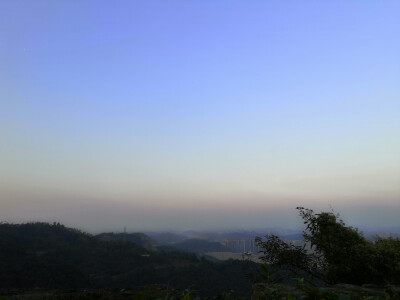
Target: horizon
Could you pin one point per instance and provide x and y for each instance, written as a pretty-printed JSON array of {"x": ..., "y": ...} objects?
[
  {"x": 201, "y": 115},
  {"x": 205, "y": 233}
]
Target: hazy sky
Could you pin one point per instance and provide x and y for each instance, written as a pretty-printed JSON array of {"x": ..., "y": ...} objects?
[{"x": 199, "y": 114}]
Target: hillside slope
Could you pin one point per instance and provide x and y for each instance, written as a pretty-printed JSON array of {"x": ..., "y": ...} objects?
[
  {"x": 137, "y": 238},
  {"x": 54, "y": 256}
]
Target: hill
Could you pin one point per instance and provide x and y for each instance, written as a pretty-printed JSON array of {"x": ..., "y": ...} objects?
[
  {"x": 52, "y": 256},
  {"x": 166, "y": 238},
  {"x": 199, "y": 246},
  {"x": 137, "y": 238}
]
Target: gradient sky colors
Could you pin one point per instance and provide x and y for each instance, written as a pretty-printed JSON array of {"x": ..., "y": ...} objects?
[{"x": 199, "y": 114}]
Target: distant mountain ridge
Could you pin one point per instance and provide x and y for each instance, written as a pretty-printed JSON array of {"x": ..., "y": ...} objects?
[
  {"x": 165, "y": 238},
  {"x": 170, "y": 238},
  {"x": 137, "y": 238},
  {"x": 198, "y": 246}
]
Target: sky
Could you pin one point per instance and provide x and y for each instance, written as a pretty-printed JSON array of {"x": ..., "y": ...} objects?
[{"x": 199, "y": 114}]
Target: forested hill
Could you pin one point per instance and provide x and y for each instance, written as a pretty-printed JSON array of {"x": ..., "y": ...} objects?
[
  {"x": 198, "y": 246},
  {"x": 137, "y": 238},
  {"x": 54, "y": 256},
  {"x": 40, "y": 236}
]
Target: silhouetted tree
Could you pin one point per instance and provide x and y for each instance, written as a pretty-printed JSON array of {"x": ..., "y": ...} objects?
[{"x": 334, "y": 252}]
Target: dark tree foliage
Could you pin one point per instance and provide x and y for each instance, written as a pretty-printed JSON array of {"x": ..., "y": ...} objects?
[
  {"x": 285, "y": 256},
  {"x": 335, "y": 253},
  {"x": 53, "y": 256}
]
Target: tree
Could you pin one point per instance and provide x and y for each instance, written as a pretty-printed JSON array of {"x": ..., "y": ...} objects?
[{"x": 334, "y": 252}]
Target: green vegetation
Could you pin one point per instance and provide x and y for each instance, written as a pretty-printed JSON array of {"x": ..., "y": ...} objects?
[
  {"x": 52, "y": 256},
  {"x": 333, "y": 253},
  {"x": 338, "y": 253}
]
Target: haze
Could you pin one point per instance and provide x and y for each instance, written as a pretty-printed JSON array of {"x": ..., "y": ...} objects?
[{"x": 199, "y": 114}]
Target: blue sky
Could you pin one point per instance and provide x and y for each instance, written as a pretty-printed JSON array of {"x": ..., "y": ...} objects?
[{"x": 176, "y": 109}]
